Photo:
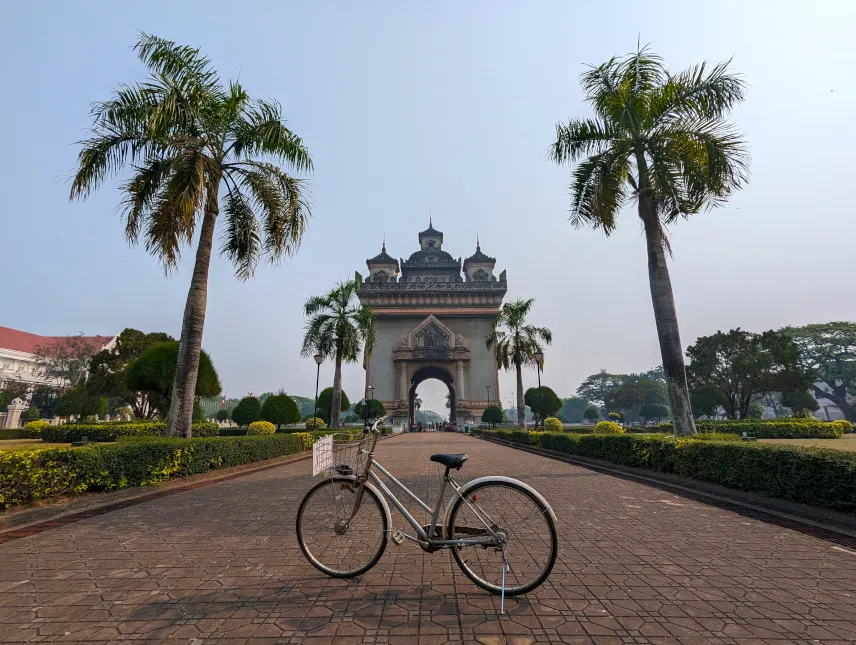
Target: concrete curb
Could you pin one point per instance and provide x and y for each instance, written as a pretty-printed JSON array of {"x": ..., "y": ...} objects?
[{"x": 787, "y": 512}]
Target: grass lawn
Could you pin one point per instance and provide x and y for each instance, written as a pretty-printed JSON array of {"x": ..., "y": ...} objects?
[
  {"x": 26, "y": 444},
  {"x": 847, "y": 442}
]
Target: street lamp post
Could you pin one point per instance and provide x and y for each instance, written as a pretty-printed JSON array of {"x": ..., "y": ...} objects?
[
  {"x": 487, "y": 387},
  {"x": 370, "y": 390},
  {"x": 318, "y": 360},
  {"x": 539, "y": 360}
]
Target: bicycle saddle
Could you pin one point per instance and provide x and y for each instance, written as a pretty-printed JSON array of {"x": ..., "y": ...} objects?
[{"x": 451, "y": 461}]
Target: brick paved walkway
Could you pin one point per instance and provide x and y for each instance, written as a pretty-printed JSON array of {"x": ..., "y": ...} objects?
[{"x": 220, "y": 564}]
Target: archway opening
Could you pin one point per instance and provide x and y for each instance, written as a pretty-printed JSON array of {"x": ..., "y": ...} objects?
[{"x": 424, "y": 374}]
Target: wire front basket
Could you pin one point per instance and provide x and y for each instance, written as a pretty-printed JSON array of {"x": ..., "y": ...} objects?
[{"x": 340, "y": 455}]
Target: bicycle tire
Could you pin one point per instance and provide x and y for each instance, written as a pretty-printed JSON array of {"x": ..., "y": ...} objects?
[
  {"x": 369, "y": 497},
  {"x": 543, "y": 511}
]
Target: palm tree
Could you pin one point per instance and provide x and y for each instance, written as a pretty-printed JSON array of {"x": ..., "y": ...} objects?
[
  {"x": 515, "y": 343},
  {"x": 339, "y": 330},
  {"x": 186, "y": 136},
  {"x": 417, "y": 402},
  {"x": 662, "y": 140}
]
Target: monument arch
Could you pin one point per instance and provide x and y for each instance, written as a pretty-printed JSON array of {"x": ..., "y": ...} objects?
[{"x": 433, "y": 312}]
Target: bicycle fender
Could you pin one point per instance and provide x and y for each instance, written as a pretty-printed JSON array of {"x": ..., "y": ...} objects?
[
  {"x": 374, "y": 489},
  {"x": 496, "y": 478}
]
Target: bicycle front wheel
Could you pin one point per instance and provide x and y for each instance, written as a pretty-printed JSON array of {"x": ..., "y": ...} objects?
[
  {"x": 526, "y": 525},
  {"x": 331, "y": 546}
]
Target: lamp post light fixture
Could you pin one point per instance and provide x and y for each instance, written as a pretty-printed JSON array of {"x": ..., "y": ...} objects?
[
  {"x": 539, "y": 360},
  {"x": 319, "y": 358}
]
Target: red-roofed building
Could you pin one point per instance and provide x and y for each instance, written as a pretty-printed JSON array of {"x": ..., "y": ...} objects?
[{"x": 18, "y": 359}]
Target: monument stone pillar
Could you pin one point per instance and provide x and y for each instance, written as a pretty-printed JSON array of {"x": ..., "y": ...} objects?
[{"x": 13, "y": 416}]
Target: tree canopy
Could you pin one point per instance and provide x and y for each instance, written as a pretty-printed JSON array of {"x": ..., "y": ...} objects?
[
  {"x": 376, "y": 410},
  {"x": 737, "y": 367},
  {"x": 828, "y": 353},
  {"x": 108, "y": 371},
  {"x": 551, "y": 403},
  {"x": 597, "y": 388},
  {"x": 634, "y": 394},
  {"x": 572, "y": 409},
  {"x": 325, "y": 402},
  {"x": 280, "y": 409},
  {"x": 493, "y": 414},
  {"x": 153, "y": 372},
  {"x": 248, "y": 410},
  {"x": 800, "y": 401},
  {"x": 78, "y": 401}
]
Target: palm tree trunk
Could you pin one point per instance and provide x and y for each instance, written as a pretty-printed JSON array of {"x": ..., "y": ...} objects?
[
  {"x": 521, "y": 403},
  {"x": 180, "y": 416},
  {"x": 336, "y": 401},
  {"x": 666, "y": 318}
]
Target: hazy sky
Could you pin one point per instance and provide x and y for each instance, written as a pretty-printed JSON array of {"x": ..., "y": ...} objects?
[{"x": 448, "y": 107}]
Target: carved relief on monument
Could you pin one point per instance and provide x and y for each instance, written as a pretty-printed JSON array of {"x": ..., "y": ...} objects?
[{"x": 480, "y": 275}]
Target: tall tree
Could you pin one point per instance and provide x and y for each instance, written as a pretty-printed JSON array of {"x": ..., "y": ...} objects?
[
  {"x": 186, "y": 137},
  {"x": 598, "y": 388},
  {"x": 515, "y": 342},
  {"x": 573, "y": 409},
  {"x": 543, "y": 404},
  {"x": 154, "y": 373},
  {"x": 636, "y": 394},
  {"x": 664, "y": 141},
  {"x": 828, "y": 351},
  {"x": 108, "y": 370},
  {"x": 339, "y": 328},
  {"x": 64, "y": 361},
  {"x": 738, "y": 367}
]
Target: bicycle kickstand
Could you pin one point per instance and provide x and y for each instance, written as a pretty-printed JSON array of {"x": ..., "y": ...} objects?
[{"x": 505, "y": 568}]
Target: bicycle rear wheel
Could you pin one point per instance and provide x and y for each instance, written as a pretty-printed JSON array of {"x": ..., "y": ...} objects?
[
  {"x": 332, "y": 548},
  {"x": 526, "y": 522}
]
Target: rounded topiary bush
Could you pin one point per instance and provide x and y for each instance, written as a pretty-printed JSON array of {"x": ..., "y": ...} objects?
[
  {"x": 314, "y": 423},
  {"x": 615, "y": 416},
  {"x": 39, "y": 425},
  {"x": 261, "y": 427},
  {"x": 552, "y": 424},
  {"x": 608, "y": 427},
  {"x": 846, "y": 426}
]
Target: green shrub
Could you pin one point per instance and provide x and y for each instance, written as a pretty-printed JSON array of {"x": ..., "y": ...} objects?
[
  {"x": 232, "y": 432},
  {"x": 111, "y": 431},
  {"x": 771, "y": 428},
  {"x": 615, "y": 416},
  {"x": 552, "y": 424},
  {"x": 37, "y": 426},
  {"x": 19, "y": 433},
  {"x": 28, "y": 475},
  {"x": 261, "y": 427},
  {"x": 846, "y": 426},
  {"x": 816, "y": 476},
  {"x": 608, "y": 427},
  {"x": 313, "y": 423}
]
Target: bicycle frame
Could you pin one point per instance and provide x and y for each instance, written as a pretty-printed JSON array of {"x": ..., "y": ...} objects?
[{"x": 424, "y": 538}]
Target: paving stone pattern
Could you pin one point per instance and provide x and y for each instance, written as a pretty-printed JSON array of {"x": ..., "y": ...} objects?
[{"x": 220, "y": 564}]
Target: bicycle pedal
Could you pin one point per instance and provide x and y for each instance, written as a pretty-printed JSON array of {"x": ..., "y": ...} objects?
[{"x": 398, "y": 537}]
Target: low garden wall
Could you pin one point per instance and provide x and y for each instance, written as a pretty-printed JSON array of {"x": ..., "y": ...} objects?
[{"x": 815, "y": 476}]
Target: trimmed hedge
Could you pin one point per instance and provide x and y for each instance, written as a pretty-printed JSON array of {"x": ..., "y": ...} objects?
[
  {"x": 111, "y": 431},
  {"x": 19, "y": 433},
  {"x": 29, "y": 475},
  {"x": 816, "y": 476},
  {"x": 773, "y": 428}
]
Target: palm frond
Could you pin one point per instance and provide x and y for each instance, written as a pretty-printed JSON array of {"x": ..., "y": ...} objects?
[
  {"x": 580, "y": 137},
  {"x": 599, "y": 189},
  {"x": 261, "y": 130},
  {"x": 165, "y": 58},
  {"x": 698, "y": 92},
  {"x": 241, "y": 243},
  {"x": 141, "y": 194}
]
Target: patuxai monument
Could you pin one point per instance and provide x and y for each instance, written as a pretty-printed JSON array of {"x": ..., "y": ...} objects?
[{"x": 433, "y": 313}]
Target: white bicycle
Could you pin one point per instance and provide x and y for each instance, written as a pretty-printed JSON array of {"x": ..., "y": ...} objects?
[{"x": 502, "y": 532}]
